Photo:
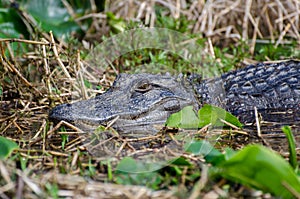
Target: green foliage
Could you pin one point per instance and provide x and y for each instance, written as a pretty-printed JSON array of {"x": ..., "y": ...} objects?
[
  {"x": 117, "y": 25},
  {"x": 130, "y": 171},
  {"x": 64, "y": 138},
  {"x": 186, "y": 118},
  {"x": 270, "y": 51},
  {"x": 180, "y": 24},
  {"x": 208, "y": 114},
  {"x": 234, "y": 54},
  {"x": 11, "y": 25},
  {"x": 153, "y": 61},
  {"x": 237, "y": 54},
  {"x": 212, "y": 114},
  {"x": 51, "y": 16},
  {"x": 255, "y": 166},
  {"x": 91, "y": 168},
  {"x": 109, "y": 171},
  {"x": 23, "y": 162},
  {"x": 149, "y": 179},
  {"x": 292, "y": 146},
  {"x": 52, "y": 190},
  {"x": 181, "y": 162},
  {"x": 87, "y": 84},
  {"x": 261, "y": 168},
  {"x": 130, "y": 165},
  {"x": 6, "y": 147},
  {"x": 202, "y": 147}
]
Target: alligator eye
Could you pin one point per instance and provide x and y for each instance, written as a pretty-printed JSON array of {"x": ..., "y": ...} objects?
[{"x": 144, "y": 87}]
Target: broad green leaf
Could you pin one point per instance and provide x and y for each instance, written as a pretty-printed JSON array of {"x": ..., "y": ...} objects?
[
  {"x": 6, "y": 147},
  {"x": 292, "y": 146},
  {"x": 204, "y": 148},
  {"x": 199, "y": 147},
  {"x": 229, "y": 152},
  {"x": 52, "y": 15},
  {"x": 186, "y": 118},
  {"x": 130, "y": 165},
  {"x": 212, "y": 114},
  {"x": 262, "y": 168},
  {"x": 127, "y": 164},
  {"x": 130, "y": 171},
  {"x": 11, "y": 24}
]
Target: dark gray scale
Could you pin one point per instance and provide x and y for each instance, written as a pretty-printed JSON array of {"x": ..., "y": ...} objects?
[{"x": 264, "y": 86}]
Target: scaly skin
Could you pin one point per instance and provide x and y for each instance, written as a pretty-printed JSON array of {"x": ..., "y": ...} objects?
[
  {"x": 271, "y": 88},
  {"x": 139, "y": 102}
]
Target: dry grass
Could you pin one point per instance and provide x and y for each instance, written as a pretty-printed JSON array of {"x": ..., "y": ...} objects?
[
  {"x": 223, "y": 21},
  {"x": 35, "y": 78}
]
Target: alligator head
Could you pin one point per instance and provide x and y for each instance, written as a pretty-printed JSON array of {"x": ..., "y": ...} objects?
[{"x": 135, "y": 103}]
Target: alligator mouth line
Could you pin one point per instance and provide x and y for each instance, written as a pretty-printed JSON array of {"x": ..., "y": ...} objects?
[
  {"x": 108, "y": 122},
  {"x": 127, "y": 123}
]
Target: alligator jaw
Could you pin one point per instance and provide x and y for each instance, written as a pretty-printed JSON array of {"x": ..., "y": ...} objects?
[{"x": 137, "y": 103}]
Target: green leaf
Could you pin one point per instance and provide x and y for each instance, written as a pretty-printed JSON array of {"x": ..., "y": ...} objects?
[
  {"x": 229, "y": 152},
  {"x": 116, "y": 24},
  {"x": 130, "y": 171},
  {"x": 262, "y": 168},
  {"x": 130, "y": 165},
  {"x": 127, "y": 164},
  {"x": 11, "y": 24},
  {"x": 292, "y": 146},
  {"x": 52, "y": 15},
  {"x": 212, "y": 114},
  {"x": 181, "y": 161},
  {"x": 6, "y": 147},
  {"x": 204, "y": 148},
  {"x": 208, "y": 114},
  {"x": 87, "y": 84},
  {"x": 186, "y": 118}
]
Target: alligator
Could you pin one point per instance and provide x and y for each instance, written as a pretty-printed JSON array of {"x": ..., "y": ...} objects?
[{"x": 138, "y": 103}]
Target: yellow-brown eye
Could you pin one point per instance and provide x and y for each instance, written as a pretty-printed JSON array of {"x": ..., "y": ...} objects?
[{"x": 143, "y": 87}]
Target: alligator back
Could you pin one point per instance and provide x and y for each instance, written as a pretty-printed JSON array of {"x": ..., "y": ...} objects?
[{"x": 274, "y": 89}]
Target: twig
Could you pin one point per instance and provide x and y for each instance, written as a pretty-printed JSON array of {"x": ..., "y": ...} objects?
[
  {"x": 283, "y": 33},
  {"x": 47, "y": 69},
  {"x": 12, "y": 68},
  {"x": 25, "y": 41},
  {"x": 257, "y": 122},
  {"x": 229, "y": 124},
  {"x": 245, "y": 20},
  {"x": 57, "y": 57}
]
